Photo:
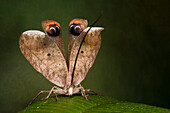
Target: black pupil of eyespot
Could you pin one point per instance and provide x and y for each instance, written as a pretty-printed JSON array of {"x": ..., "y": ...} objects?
[
  {"x": 75, "y": 29},
  {"x": 54, "y": 30},
  {"x": 48, "y": 54}
]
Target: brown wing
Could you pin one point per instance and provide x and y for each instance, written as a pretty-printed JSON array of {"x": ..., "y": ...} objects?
[
  {"x": 74, "y": 33},
  {"x": 44, "y": 55},
  {"x": 59, "y": 40},
  {"x": 87, "y": 55}
]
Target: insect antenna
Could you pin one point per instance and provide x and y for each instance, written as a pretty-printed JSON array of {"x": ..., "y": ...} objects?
[{"x": 82, "y": 44}]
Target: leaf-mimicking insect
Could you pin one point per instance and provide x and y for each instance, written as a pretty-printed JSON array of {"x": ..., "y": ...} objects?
[{"x": 45, "y": 52}]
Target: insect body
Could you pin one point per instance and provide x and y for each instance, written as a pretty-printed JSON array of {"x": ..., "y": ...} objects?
[{"x": 45, "y": 52}]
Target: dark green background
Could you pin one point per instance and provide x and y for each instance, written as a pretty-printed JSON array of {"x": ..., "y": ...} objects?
[{"x": 132, "y": 64}]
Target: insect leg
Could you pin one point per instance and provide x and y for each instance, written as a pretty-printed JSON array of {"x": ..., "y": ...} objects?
[
  {"x": 89, "y": 90},
  {"x": 55, "y": 95},
  {"x": 54, "y": 87},
  {"x": 83, "y": 92},
  {"x": 37, "y": 96}
]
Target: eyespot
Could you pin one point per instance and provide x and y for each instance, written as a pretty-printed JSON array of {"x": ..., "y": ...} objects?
[
  {"x": 82, "y": 51},
  {"x": 48, "y": 54},
  {"x": 75, "y": 29},
  {"x": 53, "y": 30}
]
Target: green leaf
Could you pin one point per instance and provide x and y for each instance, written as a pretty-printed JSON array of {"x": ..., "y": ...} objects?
[{"x": 98, "y": 103}]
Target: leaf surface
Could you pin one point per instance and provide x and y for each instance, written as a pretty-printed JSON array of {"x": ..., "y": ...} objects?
[{"x": 98, "y": 103}]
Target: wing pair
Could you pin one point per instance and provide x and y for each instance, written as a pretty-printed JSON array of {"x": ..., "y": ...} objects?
[{"x": 45, "y": 51}]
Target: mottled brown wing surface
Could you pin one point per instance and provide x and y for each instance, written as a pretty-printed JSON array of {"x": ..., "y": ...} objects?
[
  {"x": 76, "y": 26},
  {"x": 87, "y": 55},
  {"x": 44, "y": 55}
]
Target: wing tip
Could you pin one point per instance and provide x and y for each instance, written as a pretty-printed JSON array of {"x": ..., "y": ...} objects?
[
  {"x": 94, "y": 29},
  {"x": 33, "y": 32}
]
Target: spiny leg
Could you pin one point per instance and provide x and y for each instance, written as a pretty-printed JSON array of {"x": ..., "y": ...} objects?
[
  {"x": 83, "y": 92},
  {"x": 89, "y": 90},
  {"x": 37, "y": 96},
  {"x": 55, "y": 95},
  {"x": 54, "y": 87}
]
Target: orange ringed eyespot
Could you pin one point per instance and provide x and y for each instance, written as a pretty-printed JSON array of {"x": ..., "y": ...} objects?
[
  {"x": 76, "y": 21},
  {"x": 53, "y": 28},
  {"x": 76, "y": 27},
  {"x": 53, "y": 23}
]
